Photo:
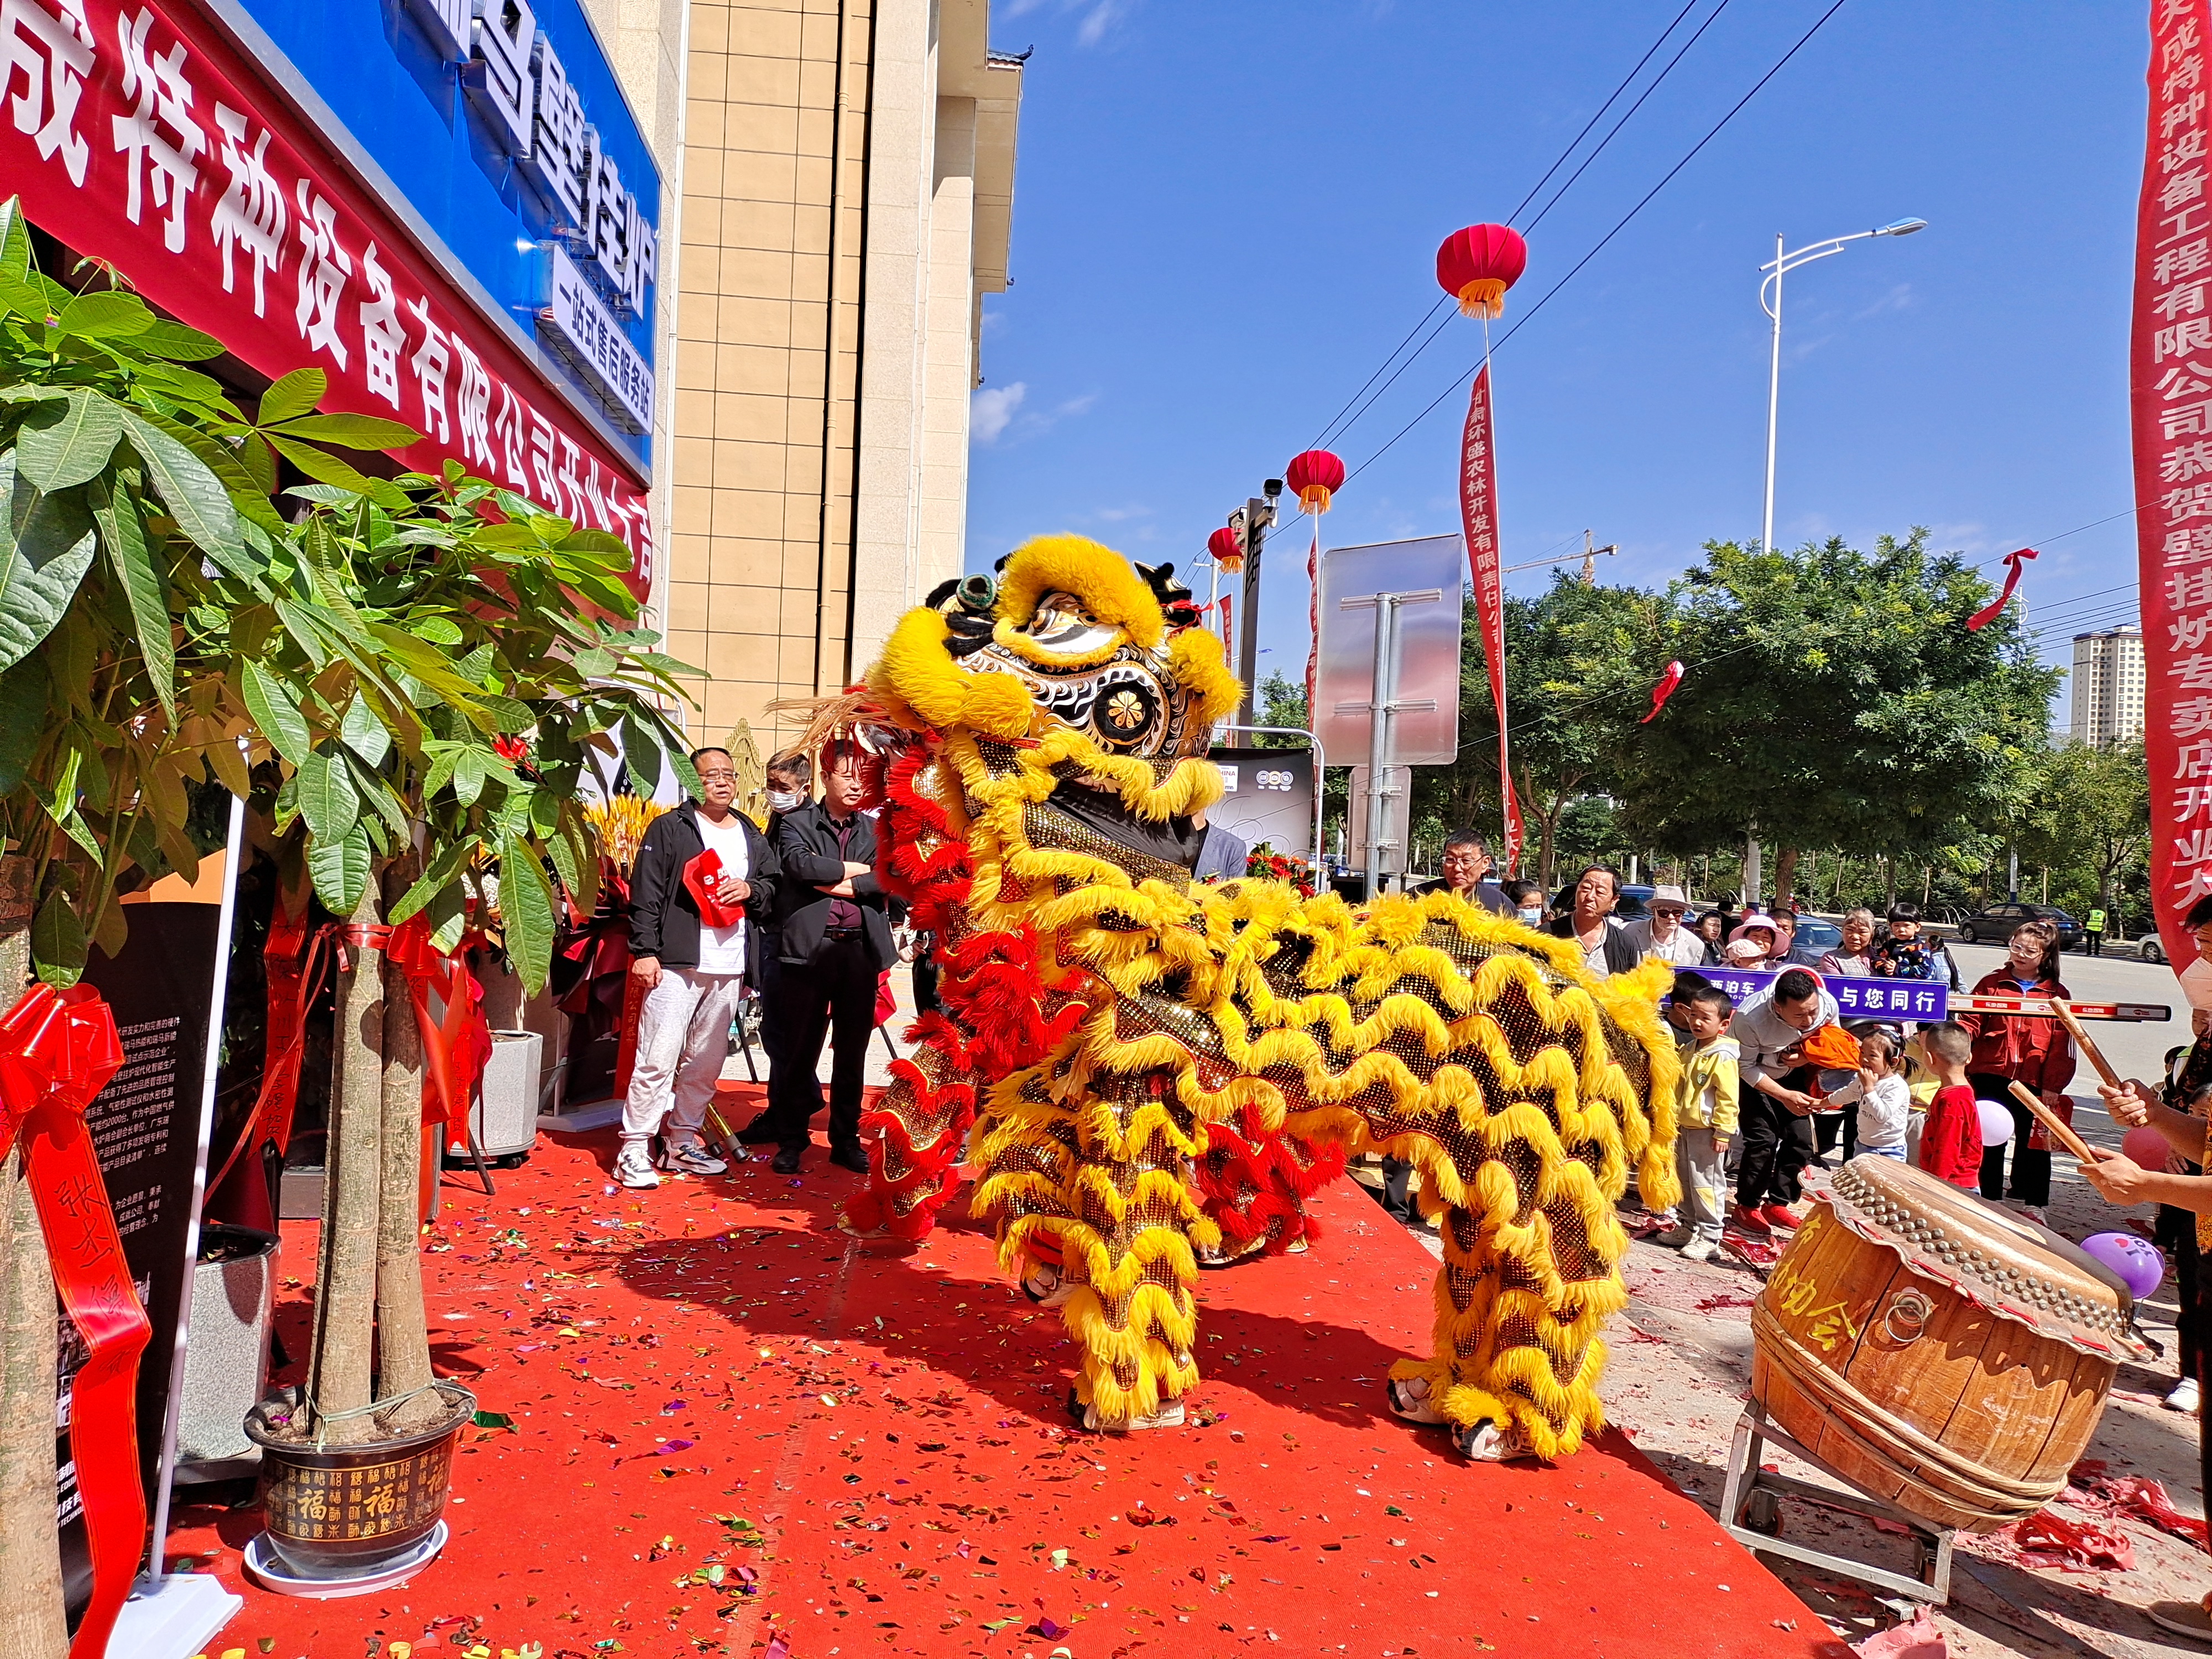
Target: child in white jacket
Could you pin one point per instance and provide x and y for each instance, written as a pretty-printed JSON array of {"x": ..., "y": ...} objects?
[{"x": 1885, "y": 1099}]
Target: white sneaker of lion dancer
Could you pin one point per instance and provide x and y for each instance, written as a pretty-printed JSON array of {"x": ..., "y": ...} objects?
[
  {"x": 1409, "y": 1398},
  {"x": 1486, "y": 1443},
  {"x": 1044, "y": 1286},
  {"x": 1169, "y": 1416}
]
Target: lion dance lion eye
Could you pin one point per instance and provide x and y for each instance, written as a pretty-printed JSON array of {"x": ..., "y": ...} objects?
[{"x": 1126, "y": 709}]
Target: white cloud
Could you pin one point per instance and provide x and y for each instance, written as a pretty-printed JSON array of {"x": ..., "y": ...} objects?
[
  {"x": 1899, "y": 298},
  {"x": 1072, "y": 407},
  {"x": 990, "y": 409},
  {"x": 1116, "y": 515},
  {"x": 1097, "y": 15}
]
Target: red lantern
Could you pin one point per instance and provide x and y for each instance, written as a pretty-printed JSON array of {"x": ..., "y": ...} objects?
[
  {"x": 1315, "y": 476},
  {"x": 1227, "y": 549},
  {"x": 1477, "y": 264}
]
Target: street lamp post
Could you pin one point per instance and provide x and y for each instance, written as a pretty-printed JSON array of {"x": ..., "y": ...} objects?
[{"x": 1785, "y": 263}]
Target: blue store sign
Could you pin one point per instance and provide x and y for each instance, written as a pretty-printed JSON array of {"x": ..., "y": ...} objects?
[{"x": 502, "y": 125}]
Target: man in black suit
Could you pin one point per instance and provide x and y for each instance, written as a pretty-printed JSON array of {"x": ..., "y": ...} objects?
[{"x": 836, "y": 929}]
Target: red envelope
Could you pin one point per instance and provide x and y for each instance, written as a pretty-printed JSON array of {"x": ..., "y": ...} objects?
[{"x": 702, "y": 879}]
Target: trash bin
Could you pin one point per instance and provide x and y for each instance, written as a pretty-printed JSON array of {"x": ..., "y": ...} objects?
[{"x": 226, "y": 1357}]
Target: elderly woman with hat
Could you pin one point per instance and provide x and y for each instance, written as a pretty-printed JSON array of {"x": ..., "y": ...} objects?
[{"x": 1661, "y": 934}]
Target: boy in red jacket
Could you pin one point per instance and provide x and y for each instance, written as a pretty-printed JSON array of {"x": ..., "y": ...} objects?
[{"x": 1951, "y": 1142}]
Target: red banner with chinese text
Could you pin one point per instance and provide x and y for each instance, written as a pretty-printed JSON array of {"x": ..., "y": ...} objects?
[
  {"x": 1478, "y": 507},
  {"x": 2171, "y": 403},
  {"x": 141, "y": 136}
]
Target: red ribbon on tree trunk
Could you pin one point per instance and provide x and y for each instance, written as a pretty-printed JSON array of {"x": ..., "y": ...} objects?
[
  {"x": 1988, "y": 613},
  {"x": 455, "y": 1049},
  {"x": 58, "y": 1049}
]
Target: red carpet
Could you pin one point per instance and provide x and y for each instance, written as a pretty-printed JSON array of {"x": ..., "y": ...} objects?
[{"x": 734, "y": 1430}]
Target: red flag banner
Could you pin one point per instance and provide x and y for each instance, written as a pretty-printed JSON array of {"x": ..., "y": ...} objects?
[
  {"x": 1478, "y": 507},
  {"x": 2170, "y": 401}
]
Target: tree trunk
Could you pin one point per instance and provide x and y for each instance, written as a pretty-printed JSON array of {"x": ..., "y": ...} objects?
[
  {"x": 402, "y": 1338},
  {"x": 1785, "y": 875},
  {"x": 1750, "y": 871},
  {"x": 338, "y": 1371},
  {"x": 1889, "y": 876},
  {"x": 32, "y": 1620}
]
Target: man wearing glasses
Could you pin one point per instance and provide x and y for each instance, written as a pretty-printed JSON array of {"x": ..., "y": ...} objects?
[
  {"x": 1661, "y": 934},
  {"x": 1466, "y": 866},
  {"x": 693, "y": 970}
]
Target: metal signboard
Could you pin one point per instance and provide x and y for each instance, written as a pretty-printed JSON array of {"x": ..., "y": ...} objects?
[
  {"x": 1427, "y": 573},
  {"x": 1398, "y": 808},
  {"x": 1266, "y": 795}
]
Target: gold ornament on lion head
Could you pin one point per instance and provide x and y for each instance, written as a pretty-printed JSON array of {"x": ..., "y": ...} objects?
[{"x": 1069, "y": 634}]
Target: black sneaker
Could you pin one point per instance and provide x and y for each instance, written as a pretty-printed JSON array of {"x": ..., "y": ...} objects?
[
  {"x": 850, "y": 1157},
  {"x": 757, "y": 1133},
  {"x": 785, "y": 1163}
]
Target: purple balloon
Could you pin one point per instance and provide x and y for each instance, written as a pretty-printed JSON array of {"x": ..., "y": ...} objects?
[
  {"x": 1996, "y": 1123},
  {"x": 2139, "y": 1262}
]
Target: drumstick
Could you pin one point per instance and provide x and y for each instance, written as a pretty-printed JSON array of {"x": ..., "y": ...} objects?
[
  {"x": 2060, "y": 1130},
  {"x": 2086, "y": 1043}
]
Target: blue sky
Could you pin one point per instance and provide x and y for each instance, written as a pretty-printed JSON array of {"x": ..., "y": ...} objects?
[{"x": 1226, "y": 215}]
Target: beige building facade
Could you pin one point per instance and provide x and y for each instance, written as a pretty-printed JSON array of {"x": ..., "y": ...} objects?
[
  {"x": 2108, "y": 687},
  {"x": 845, "y": 182}
]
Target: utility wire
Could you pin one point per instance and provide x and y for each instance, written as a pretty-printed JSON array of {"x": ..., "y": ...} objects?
[
  {"x": 1711, "y": 19},
  {"x": 1528, "y": 315},
  {"x": 1338, "y": 424},
  {"x": 1649, "y": 52}
]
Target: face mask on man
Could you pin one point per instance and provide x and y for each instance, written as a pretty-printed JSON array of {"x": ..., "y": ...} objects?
[{"x": 783, "y": 800}]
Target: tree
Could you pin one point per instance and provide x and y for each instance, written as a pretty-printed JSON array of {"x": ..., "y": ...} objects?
[
  {"x": 1834, "y": 699},
  {"x": 1578, "y": 662},
  {"x": 2090, "y": 814}
]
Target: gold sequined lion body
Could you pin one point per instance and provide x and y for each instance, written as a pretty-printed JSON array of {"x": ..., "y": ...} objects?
[{"x": 1105, "y": 1021}]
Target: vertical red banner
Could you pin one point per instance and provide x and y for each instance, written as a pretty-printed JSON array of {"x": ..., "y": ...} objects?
[
  {"x": 1478, "y": 507},
  {"x": 2170, "y": 383},
  {"x": 1313, "y": 626}
]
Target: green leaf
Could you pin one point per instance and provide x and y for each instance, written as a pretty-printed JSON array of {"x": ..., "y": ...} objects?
[
  {"x": 641, "y": 754},
  {"x": 105, "y": 316},
  {"x": 471, "y": 769},
  {"x": 293, "y": 396},
  {"x": 248, "y": 494},
  {"x": 321, "y": 464},
  {"x": 364, "y": 734},
  {"x": 57, "y": 942},
  {"x": 64, "y": 444},
  {"x": 46, "y": 545},
  {"x": 369, "y": 432},
  {"x": 525, "y": 910},
  {"x": 444, "y": 867},
  {"x": 564, "y": 856},
  {"x": 439, "y": 630},
  {"x": 194, "y": 495},
  {"x": 163, "y": 339},
  {"x": 25, "y": 694},
  {"x": 328, "y": 800},
  {"x": 276, "y": 712},
  {"x": 339, "y": 869},
  {"x": 143, "y": 588}
]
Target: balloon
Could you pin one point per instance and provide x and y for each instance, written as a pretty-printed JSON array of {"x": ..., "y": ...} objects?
[
  {"x": 2136, "y": 1261},
  {"x": 1996, "y": 1123},
  {"x": 2145, "y": 1147}
]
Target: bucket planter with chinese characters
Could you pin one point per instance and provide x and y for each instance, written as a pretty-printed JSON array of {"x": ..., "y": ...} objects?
[{"x": 346, "y": 1517}]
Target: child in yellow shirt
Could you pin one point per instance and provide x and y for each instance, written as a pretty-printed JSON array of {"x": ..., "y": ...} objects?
[{"x": 1704, "y": 1116}]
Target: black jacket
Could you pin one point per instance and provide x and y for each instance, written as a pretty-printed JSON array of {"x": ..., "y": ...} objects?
[
  {"x": 806, "y": 852},
  {"x": 1620, "y": 955},
  {"x": 664, "y": 917},
  {"x": 1487, "y": 894}
]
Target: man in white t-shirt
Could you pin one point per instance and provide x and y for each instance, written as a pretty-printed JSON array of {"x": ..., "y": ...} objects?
[{"x": 694, "y": 971}]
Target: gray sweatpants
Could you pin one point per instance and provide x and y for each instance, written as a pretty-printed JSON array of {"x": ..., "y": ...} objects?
[
  {"x": 682, "y": 1038},
  {"x": 1705, "y": 1186}
]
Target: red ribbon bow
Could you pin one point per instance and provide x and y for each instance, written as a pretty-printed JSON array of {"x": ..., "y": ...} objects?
[
  {"x": 57, "y": 1050},
  {"x": 1663, "y": 690},
  {"x": 1988, "y": 613}
]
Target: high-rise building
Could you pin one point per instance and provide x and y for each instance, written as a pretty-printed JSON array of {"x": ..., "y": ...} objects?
[
  {"x": 2108, "y": 686},
  {"x": 845, "y": 193}
]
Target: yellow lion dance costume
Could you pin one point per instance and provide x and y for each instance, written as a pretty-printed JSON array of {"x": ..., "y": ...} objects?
[{"x": 1103, "y": 1018}]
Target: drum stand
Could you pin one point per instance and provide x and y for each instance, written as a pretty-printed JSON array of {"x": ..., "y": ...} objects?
[{"x": 1752, "y": 1516}]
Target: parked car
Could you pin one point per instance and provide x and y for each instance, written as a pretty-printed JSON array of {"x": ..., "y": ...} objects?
[
  {"x": 1994, "y": 925},
  {"x": 2150, "y": 947},
  {"x": 1815, "y": 934},
  {"x": 1635, "y": 902}
]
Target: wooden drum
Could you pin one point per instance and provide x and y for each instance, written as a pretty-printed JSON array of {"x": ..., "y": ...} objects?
[{"x": 1936, "y": 1352}]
